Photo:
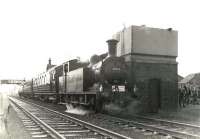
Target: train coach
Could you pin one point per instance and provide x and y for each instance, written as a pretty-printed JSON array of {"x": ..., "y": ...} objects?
[{"x": 97, "y": 83}]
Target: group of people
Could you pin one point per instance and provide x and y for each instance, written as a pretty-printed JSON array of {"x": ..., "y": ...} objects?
[{"x": 187, "y": 96}]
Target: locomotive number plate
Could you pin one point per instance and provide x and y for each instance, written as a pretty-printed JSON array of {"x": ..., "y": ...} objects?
[
  {"x": 118, "y": 88},
  {"x": 116, "y": 69}
]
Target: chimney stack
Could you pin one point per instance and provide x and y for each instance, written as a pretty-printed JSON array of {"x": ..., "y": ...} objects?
[
  {"x": 49, "y": 61},
  {"x": 112, "y": 44}
]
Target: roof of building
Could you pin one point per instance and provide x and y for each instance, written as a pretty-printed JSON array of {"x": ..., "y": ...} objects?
[
  {"x": 193, "y": 78},
  {"x": 180, "y": 78}
]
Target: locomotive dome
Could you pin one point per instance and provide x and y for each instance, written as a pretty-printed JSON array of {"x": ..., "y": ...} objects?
[{"x": 94, "y": 59}]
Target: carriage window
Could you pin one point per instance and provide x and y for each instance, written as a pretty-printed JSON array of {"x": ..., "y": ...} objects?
[{"x": 66, "y": 68}]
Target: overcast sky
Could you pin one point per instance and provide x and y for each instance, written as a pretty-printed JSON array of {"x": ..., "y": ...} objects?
[{"x": 31, "y": 31}]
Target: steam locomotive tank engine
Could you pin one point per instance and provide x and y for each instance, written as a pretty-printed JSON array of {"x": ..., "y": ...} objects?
[{"x": 97, "y": 85}]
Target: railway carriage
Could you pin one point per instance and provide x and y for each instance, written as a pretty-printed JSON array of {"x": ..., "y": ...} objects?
[{"x": 44, "y": 86}]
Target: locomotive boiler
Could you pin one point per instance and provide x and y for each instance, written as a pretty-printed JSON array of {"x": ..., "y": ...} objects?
[{"x": 110, "y": 73}]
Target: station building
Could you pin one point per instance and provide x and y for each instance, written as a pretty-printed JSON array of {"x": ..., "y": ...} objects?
[{"x": 151, "y": 55}]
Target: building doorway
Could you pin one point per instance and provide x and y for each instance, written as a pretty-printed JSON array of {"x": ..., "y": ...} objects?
[{"x": 154, "y": 95}]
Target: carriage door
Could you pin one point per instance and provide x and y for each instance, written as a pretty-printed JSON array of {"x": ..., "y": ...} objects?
[
  {"x": 57, "y": 83},
  {"x": 154, "y": 95}
]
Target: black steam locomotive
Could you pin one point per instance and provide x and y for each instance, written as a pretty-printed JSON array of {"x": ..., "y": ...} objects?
[{"x": 91, "y": 84}]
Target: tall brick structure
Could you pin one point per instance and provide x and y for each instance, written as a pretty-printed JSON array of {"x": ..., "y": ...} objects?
[{"x": 151, "y": 54}]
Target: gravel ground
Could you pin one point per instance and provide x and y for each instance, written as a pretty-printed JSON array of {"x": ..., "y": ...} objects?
[
  {"x": 16, "y": 128},
  {"x": 189, "y": 114},
  {"x": 10, "y": 125}
]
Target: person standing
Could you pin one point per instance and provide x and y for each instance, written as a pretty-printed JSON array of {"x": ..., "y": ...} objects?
[
  {"x": 195, "y": 97},
  {"x": 181, "y": 97},
  {"x": 185, "y": 95}
]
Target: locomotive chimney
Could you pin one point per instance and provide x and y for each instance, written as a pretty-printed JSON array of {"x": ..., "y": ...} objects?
[{"x": 112, "y": 44}]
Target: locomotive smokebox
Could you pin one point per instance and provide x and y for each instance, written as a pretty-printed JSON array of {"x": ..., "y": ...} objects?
[{"x": 112, "y": 44}]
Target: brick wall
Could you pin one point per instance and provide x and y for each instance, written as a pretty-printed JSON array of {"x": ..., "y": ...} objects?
[{"x": 141, "y": 75}]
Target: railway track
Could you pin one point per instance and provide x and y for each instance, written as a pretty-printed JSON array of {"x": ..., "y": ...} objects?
[
  {"x": 143, "y": 127},
  {"x": 170, "y": 129},
  {"x": 32, "y": 125},
  {"x": 50, "y": 124}
]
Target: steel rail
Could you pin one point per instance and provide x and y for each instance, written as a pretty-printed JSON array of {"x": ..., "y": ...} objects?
[
  {"x": 43, "y": 125},
  {"x": 176, "y": 134},
  {"x": 90, "y": 126},
  {"x": 168, "y": 121}
]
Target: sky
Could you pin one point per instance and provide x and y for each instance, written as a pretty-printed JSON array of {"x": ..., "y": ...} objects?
[{"x": 32, "y": 31}]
